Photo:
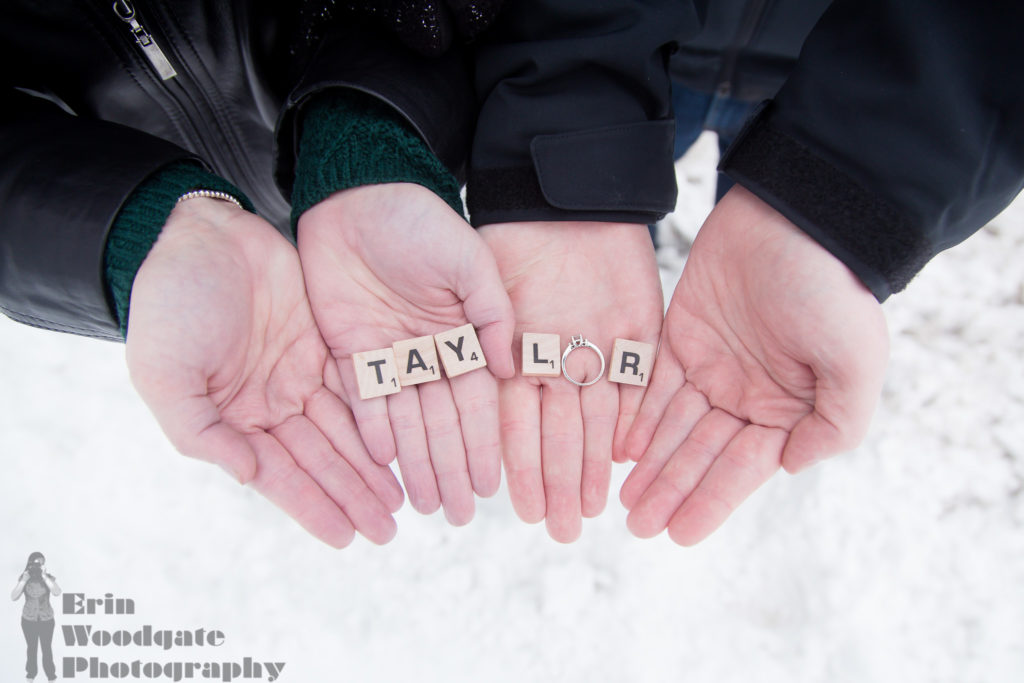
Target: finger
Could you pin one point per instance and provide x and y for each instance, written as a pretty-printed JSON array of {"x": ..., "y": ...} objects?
[
  {"x": 336, "y": 477},
  {"x": 222, "y": 445},
  {"x": 519, "y": 402},
  {"x": 814, "y": 438},
  {"x": 630, "y": 399},
  {"x": 283, "y": 483},
  {"x": 562, "y": 459},
  {"x": 192, "y": 421},
  {"x": 488, "y": 307},
  {"x": 683, "y": 411},
  {"x": 334, "y": 419},
  {"x": 849, "y": 372},
  {"x": 842, "y": 413},
  {"x": 599, "y": 404},
  {"x": 413, "y": 454},
  {"x": 667, "y": 379},
  {"x": 447, "y": 453},
  {"x": 683, "y": 472},
  {"x": 749, "y": 460},
  {"x": 371, "y": 416},
  {"x": 476, "y": 396}
]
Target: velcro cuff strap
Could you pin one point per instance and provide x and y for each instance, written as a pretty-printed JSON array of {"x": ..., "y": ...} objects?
[
  {"x": 873, "y": 238},
  {"x": 619, "y": 168}
]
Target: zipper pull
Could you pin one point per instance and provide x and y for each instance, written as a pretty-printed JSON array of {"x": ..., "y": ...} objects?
[{"x": 144, "y": 40}]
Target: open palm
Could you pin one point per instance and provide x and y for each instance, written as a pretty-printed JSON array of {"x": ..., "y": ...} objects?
[
  {"x": 772, "y": 354},
  {"x": 595, "y": 279},
  {"x": 385, "y": 263},
  {"x": 223, "y": 348}
]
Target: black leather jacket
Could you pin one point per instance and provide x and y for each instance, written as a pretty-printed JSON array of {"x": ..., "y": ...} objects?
[{"x": 88, "y": 114}]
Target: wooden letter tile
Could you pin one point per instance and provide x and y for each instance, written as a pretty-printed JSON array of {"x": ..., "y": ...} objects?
[
  {"x": 417, "y": 361},
  {"x": 376, "y": 373},
  {"x": 631, "y": 362},
  {"x": 459, "y": 350},
  {"x": 542, "y": 355}
]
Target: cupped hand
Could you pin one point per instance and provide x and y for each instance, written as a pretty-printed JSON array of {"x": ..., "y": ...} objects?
[
  {"x": 223, "y": 348},
  {"x": 385, "y": 263},
  {"x": 773, "y": 354},
  {"x": 595, "y": 279}
]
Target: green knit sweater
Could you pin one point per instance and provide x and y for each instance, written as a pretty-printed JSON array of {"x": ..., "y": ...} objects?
[{"x": 349, "y": 139}]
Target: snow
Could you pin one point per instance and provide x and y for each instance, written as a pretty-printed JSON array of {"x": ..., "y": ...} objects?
[{"x": 901, "y": 561}]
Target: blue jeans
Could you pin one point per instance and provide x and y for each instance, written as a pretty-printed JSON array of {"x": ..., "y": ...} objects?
[{"x": 698, "y": 111}]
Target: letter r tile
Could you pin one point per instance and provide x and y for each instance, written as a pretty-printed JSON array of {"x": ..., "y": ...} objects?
[
  {"x": 631, "y": 362},
  {"x": 417, "y": 361},
  {"x": 459, "y": 350},
  {"x": 376, "y": 373},
  {"x": 542, "y": 355}
]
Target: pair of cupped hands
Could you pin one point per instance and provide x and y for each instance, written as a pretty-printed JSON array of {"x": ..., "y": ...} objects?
[{"x": 771, "y": 354}]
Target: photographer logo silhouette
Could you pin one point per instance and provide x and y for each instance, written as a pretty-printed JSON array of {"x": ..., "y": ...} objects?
[{"x": 36, "y": 584}]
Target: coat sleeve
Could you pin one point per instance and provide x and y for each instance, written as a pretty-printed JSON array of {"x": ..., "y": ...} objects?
[
  {"x": 899, "y": 133},
  {"x": 62, "y": 183},
  {"x": 434, "y": 95},
  {"x": 575, "y": 119}
]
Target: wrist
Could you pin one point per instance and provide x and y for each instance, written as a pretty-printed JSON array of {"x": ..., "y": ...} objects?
[
  {"x": 209, "y": 194},
  {"x": 351, "y": 140},
  {"x": 141, "y": 220}
]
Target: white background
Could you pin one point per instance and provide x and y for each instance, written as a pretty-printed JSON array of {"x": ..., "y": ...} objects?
[{"x": 902, "y": 561}]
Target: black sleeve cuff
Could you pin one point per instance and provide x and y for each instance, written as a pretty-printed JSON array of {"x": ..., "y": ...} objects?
[
  {"x": 433, "y": 95},
  {"x": 873, "y": 238},
  {"x": 617, "y": 174}
]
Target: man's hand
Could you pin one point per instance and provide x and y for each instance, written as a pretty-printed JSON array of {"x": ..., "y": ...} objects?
[
  {"x": 595, "y": 279},
  {"x": 385, "y": 263},
  {"x": 223, "y": 348},
  {"x": 773, "y": 353}
]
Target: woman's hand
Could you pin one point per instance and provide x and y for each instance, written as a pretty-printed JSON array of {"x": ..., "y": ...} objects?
[
  {"x": 223, "y": 348},
  {"x": 595, "y": 279},
  {"x": 385, "y": 263}
]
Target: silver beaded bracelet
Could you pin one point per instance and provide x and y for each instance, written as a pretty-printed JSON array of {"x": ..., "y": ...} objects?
[{"x": 210, "y": 194}]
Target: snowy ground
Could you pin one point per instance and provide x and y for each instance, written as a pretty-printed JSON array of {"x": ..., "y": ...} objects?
[{"x": 903, "y": 561}]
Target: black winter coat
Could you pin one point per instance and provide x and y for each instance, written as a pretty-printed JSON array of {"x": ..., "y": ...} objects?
[
  {"x": 898, "y": 132},
  {"x": 91, "y": 108}
]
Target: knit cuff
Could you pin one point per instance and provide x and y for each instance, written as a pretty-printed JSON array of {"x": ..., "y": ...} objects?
[
  {"x": 140, "y": 221},
  {"x": 350, "y": 139}
]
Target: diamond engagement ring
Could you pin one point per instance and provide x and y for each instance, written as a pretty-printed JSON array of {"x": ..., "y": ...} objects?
[{"x": 578, "y": 343}]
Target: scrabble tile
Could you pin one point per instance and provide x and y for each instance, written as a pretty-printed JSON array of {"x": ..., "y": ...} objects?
[
  {"x": 417, "y": 361},
  {"x": 459, "y": 350},
  {"x": 376, "y": 373},
  {"x": 542, "y": 355},
  {"x": 631, "y": 362}
]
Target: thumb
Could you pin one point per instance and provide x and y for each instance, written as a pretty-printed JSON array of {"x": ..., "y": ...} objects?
[
  {"x": 488, "y": 307},
  {"x": 192, "y": 422},
  {"x": 813, "y": 438},
  {"x": 837, "y": 424},
  {"x": 221, "y": 444}
]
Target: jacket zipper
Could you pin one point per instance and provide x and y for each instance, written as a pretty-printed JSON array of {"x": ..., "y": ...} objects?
[{"x": 126, "y": 13}]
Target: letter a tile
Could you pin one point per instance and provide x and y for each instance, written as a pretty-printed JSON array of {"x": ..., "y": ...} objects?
[
  {"x": 417, "y": 361},
  {"x": 542, "y": 355},
  {"x": 376, "y": 373},
  {"x": 631, "y": 362},
  {"x": 459, "y": 350}
]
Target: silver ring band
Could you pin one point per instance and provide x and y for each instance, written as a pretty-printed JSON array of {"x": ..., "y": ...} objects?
[{"x": 578, "y": 343}]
